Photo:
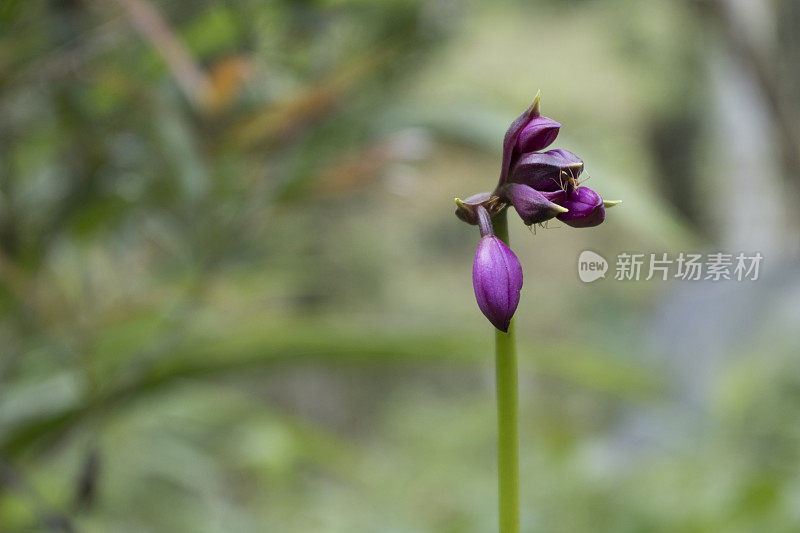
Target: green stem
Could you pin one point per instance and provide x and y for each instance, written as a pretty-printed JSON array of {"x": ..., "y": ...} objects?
[{"x": 507, "y": 414}]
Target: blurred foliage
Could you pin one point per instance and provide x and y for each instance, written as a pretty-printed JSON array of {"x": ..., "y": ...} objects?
[{"x": 233, "y": 296}]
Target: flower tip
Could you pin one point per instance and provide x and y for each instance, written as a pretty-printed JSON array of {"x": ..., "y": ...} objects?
[
  {"x": 559, "y": 209},
  {"x": 611, "y": 203},
  {"x": 460, "y": 203},
  {"x": 534, "y": 109}
]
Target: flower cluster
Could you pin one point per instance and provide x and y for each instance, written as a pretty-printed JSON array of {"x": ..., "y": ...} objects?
[{"x": 541, "y": 186}]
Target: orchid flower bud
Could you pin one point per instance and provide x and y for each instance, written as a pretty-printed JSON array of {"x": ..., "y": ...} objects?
[
  {"x": 497, "y": 280},
  {"x": 533, "y": 206},
  {"x": 538, "y": 134},
  {"x": 585, "y": 208},
  {"x": 546, "y": 171}
]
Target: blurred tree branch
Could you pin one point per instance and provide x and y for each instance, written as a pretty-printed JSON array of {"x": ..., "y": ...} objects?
[
  {"x": 764, "y": 72},
  {"x": 190, "y": 76},
  {"x": 253, "y": 347}
]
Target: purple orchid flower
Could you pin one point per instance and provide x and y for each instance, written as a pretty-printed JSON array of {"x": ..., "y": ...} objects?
[{"x": 541, "y": 186}]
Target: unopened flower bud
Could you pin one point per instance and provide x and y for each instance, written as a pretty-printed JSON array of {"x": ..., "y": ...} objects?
[{"x": 497, "y": 280}]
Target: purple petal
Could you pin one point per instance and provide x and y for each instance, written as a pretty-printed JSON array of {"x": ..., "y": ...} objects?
[
  {"x": 510, "y": 140},
  {"x": 543, "y": 171},
  {"x": 531, "y": 205},
  {"x": 566, "y": 155},
  {"x": 585, "y": 208},
  {"x": 557, "y": 197},
  {"x": 538, "y": 134},
  {"x": 497, "y": 280}
]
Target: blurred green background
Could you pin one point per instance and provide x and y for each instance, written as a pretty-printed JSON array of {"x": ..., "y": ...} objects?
[{"x": 234, "y": 296}]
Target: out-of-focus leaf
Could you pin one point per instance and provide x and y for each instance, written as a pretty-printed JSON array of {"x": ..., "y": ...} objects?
[{"x": 255, "y": 347}]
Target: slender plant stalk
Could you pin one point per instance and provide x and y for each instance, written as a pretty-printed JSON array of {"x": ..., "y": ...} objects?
[{"x": 507, "y": 414}]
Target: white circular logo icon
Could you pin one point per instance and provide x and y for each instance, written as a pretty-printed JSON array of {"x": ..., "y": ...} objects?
[{"x": 591, "y": 266}]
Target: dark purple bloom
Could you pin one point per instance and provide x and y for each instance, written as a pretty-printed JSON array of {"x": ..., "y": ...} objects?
[
  {"x": 584, "y": 208},
  {"x": 497, "y": 280},
  {"x": 533, "y": 206}
]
